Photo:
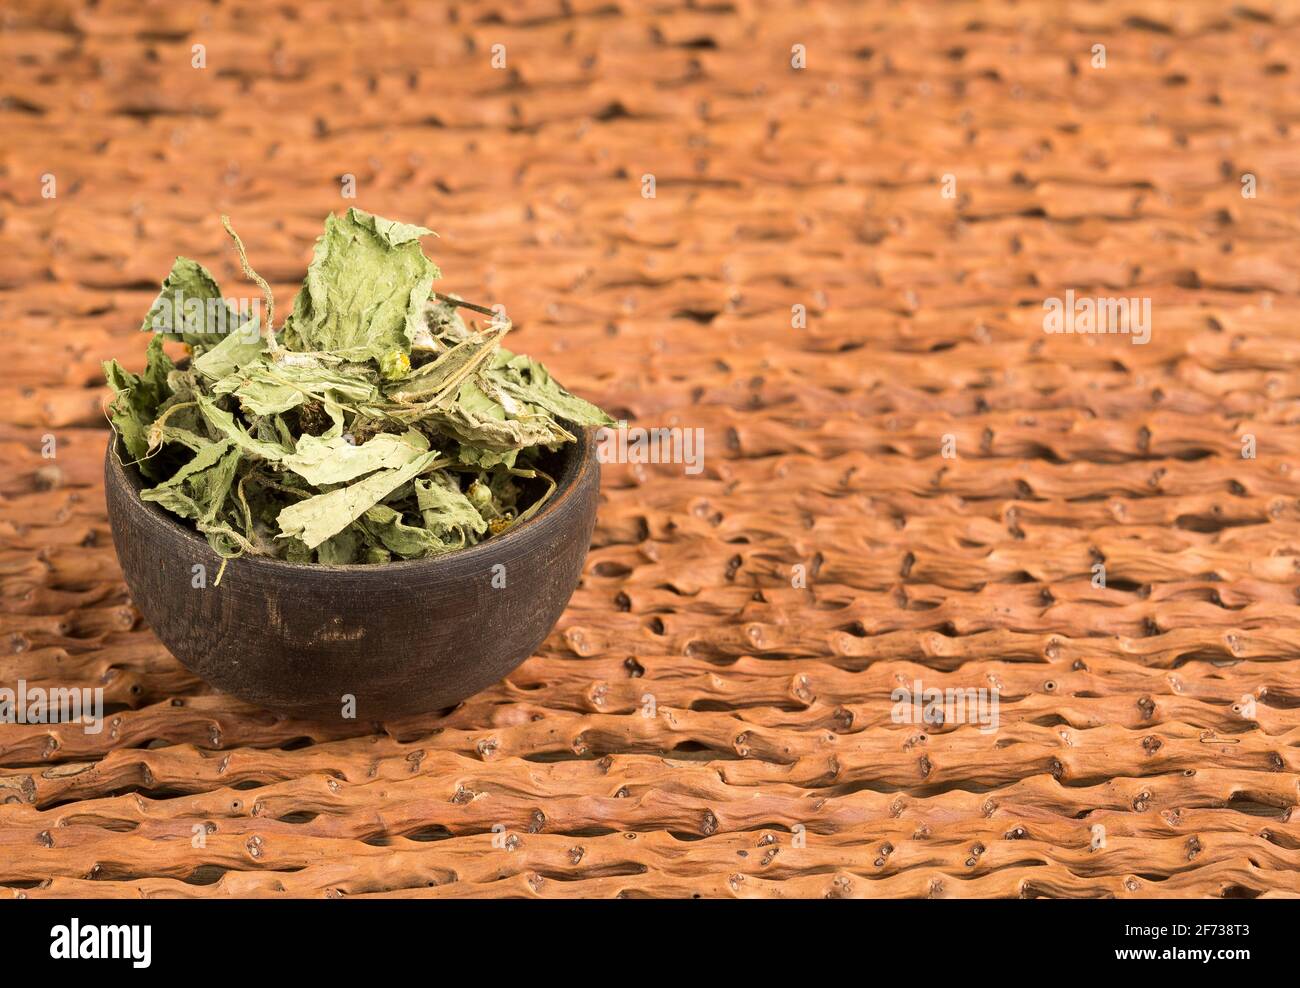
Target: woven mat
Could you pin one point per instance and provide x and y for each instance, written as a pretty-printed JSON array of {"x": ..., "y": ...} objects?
[{"x": 906, "y": 480}]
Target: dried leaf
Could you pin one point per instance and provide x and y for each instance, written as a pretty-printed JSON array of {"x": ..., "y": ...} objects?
[
  {"x": 190, "y": 307},
  {"x": 225, "y": 425},
  {"x": 136, "y": 400},
  {"x": 317, "y": 518},
  {"x": 365, "y": 291},
  {"x": 198, "y": 489},
  {"x": 228, "y": 356},
  {"x": 386, "y": 526},
  {"x": 447, "y": 512},
  {"x": 336, "y": 460},
  {"x": 527, "y": 380},
  {"x": 267, "y": 387}
]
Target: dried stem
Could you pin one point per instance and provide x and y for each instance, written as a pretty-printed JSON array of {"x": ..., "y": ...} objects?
[
  {"x": 466, "y": 305},
  {"x": 269, "y": 330}
]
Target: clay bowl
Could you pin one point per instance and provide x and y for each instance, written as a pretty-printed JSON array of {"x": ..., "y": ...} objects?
[{"x": 406, "y": 637}]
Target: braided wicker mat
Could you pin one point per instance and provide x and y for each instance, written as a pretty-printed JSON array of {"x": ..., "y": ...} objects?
[{"x": 840, "y": 279}]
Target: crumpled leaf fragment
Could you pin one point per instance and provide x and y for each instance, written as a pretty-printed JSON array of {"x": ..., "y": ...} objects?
[
  {"x": 365, "y": 291},
  {"x": 336, "y": 461},
  {"x": 385, "y": 526},
  {"x": 136, "y": 400},
  {"x": 199, "y": 489},
  {"x": 340, "y": 549},
  {"x": 317, "y": 518},
  {"x": 526, "y": 380},
  {"x": 224, "y": 423},
  {"x": 232, "y": 353},
  {"x": 267, "y": 387},
  {"x": 489, "y": 436},
  {"x": 447, "y": 512},
  {"x": 189, "y": 307}
]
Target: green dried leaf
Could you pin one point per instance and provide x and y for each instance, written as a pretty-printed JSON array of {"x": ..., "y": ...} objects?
[
  {"x": 340, "y": 549},
  {"x": 268, "y": 387},
  {"x": 336, "y": 461},
  {"x": 317, "y": 518},
  {"x": 199, "y": 489},
  {"x": 136, "y": 401},
  {"x": 386, "y": 526},
  {"x": 157, "y": 370},
  {"x": 488, "y": 436},
  {"x": 365, "y": 291},
  {"x": 446, "y": 511},
  {"x": 228, "y": 356},
  {"x": 225, "y": 425},
  {"x": 190, "y": 307},
  {"x": 526, "y": 380}
]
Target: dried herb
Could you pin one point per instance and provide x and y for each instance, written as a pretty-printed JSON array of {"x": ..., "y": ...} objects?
[{"x": 375, "y": 425}]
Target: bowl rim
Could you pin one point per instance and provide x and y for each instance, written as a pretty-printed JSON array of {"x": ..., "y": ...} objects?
[{"x": 579, "y": 461}]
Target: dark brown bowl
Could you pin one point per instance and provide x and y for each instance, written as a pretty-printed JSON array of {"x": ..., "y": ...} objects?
[{"x": 406, "y": 637}]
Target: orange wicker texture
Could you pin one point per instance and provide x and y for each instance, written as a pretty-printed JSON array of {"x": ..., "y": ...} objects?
[{"x": 913, "y": 482}]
